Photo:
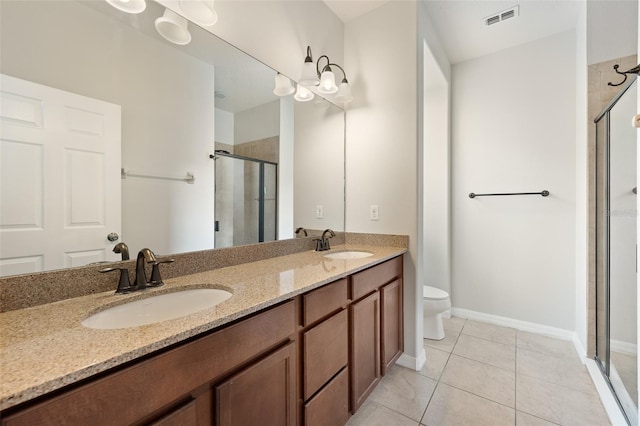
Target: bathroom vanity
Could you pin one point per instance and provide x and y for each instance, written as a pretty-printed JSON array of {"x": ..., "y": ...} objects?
[{"x": 303, "y": 340}]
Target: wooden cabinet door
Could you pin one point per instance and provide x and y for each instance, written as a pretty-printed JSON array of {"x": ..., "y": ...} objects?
[
  {"x": 262, "y": 394},
  {"x": 365, "y": 348},
  {"x": 391, "y": 343}
]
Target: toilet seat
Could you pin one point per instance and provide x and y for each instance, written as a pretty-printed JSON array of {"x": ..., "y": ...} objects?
[{"x": 433, "y": 293}]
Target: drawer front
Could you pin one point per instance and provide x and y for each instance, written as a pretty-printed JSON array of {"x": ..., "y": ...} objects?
[
  {"x": 326, "y": 351},
  {"x": 330, "y": 407},
  {"x": 143, "y": 388},
  {"x": 363, "y": 283},
  {"x": 325, "y": 300}
]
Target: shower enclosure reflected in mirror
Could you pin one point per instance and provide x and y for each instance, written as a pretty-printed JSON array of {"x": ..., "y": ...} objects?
[{"x": 616, "y": 224}]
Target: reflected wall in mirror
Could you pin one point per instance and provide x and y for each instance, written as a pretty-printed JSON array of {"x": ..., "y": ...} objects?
[{"x": 130, "y": 101}]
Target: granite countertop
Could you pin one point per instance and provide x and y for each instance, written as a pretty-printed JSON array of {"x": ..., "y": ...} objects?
[{"x": 44, "y": 348}]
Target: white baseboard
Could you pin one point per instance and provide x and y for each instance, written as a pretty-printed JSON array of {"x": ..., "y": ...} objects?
[
  {"x": 624, "y": 347},
  {"x": 413, "y": 362},
  {"x": 608, "y": 401},
  {"x": 530, "y": 327}
]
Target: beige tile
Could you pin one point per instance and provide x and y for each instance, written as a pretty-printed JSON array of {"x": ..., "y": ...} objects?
[
  {"x": 481, "y": 379},
  {"x": 454, "y": 324},
  {"x": 493, "y": 353},
  {"x": 495, "y": 333},
  {"x": 546, "y": 345},
  {"x": 446, "y": 344},
  {"x": 373, "y": 414},
  {"x": 436, "y": 360},
  {"x": 404, "y": 391},
  {"x": 567, "y": 372},
  {"x": 524, "y": 419},
  {"x": 558, "y": 404},
  {"x": 451, "y": 406}
]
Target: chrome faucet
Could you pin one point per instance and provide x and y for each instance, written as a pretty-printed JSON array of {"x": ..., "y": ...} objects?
[
  {"x": 322, "y": 244},
  {"x": 123, "y": 249}
]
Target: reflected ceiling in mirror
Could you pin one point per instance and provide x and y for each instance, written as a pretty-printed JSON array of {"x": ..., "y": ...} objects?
[{"x": 133, "y": 101}]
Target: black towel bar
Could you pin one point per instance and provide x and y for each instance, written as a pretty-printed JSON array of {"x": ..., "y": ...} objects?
[{"x": 544, "y": 193}]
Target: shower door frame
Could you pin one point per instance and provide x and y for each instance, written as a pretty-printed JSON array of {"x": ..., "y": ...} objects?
[
  {"x": 261, "y": 197},
  {"x": 605, "y": 368}
]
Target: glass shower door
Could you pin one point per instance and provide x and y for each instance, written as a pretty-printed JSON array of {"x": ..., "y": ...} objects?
[
  {"x": 245, "y": 200},
  {"x": 622, "y": 253},
  {"x": 616, "y": 298}
]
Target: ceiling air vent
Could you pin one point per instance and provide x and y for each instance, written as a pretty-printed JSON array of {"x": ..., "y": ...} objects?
[{"x": 502, "y": 16}]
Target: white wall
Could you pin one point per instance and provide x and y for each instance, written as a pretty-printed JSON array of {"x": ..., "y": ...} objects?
[
  {"x": 582, "y": 203},
  {"x": 381, "y": 152},
  {"x": 319, "y": 165},
  {"x": 257, "y": 123},
  {"x": 224, "y": 126},
  {"x": 613, "y": 26},
  {"x": 285, "y": 169},
  {"x": 514, "y": 129}
]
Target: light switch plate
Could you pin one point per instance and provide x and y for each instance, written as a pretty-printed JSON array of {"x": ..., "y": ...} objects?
[{"x": 319, "y": 212}]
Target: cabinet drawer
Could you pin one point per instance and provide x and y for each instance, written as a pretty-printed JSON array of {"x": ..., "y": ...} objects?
[
  {"x": 326, "y": 351},
  {"x": 330, "y": 407},
  {"x": 143, "y": 388},
  {"x": 325, "y": 300},
  {"x": 371, "y": 279}
]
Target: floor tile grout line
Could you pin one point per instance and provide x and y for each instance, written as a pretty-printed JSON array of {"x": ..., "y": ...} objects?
[
  {"x": 397, "y": 412},
  {"x": 515, "y": 382},
  {"x": 424, "y": 413},
  {"x": 555, "y": 384},
  {"x": 537, "y": 417},
  {"x": 485, "y": 363},
  {"x": 479, "y": 396}
]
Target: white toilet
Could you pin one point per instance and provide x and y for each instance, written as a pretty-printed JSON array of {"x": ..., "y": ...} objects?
[{"x": 435, "y": 302}]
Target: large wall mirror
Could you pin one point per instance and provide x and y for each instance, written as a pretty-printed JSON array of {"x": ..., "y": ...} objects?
[{"x": 110, "y": 133}]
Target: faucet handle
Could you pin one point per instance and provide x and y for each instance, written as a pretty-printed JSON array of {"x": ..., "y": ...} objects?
[
  {"x": 319, "y": 244},
  {"x": 156, "y": 279},
  {"x": 124, "y": 285}
]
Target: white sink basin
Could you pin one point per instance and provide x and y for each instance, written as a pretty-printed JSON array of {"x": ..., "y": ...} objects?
[
  {"x": 348, "y": 254},
  {"x": 158, "y": 308}
]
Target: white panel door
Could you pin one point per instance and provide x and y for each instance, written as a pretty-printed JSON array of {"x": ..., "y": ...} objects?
[{"x": 59, "y": 178}]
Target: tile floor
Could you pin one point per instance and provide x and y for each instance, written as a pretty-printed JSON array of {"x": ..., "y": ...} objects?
[{"x": 481, "y": 374}]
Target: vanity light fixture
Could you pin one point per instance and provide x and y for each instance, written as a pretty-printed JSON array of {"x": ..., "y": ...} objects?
[
  {"x": 283, "y": 86},
  {"x": 312, "y": 76},
  {"x": 129, "y": 6},
  {"x": 173, "y": 27},
  {"x": 200, "y": 11},
  {"x": 303, "y": 94},
  {"x": 324, "y": 77}
]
